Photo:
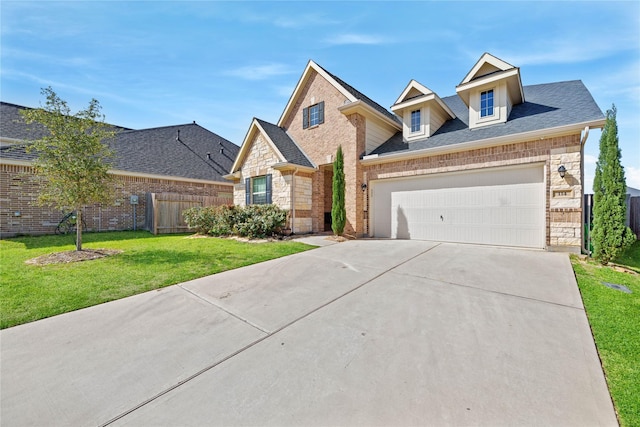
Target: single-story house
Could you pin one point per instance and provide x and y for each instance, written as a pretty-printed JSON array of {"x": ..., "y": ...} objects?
[
  {"x": 497, "y": 163},
  {"x": 188, "y": 160}
]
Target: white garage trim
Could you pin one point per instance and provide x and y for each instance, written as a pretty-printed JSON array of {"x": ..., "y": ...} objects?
[{"x": 498, "y": 206}]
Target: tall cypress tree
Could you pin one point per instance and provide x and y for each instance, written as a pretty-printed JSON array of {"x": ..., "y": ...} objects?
[
  {"x": 610, "y": 234},
  {"x": 338, "y": 211}
]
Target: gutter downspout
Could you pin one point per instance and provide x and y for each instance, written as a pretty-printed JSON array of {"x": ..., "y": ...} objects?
[
  {"x": 293, "y": 200},
  {"x": 584, "y": 245}
]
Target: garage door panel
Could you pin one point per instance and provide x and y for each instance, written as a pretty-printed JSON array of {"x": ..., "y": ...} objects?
[{"x": 510, "y": 214}]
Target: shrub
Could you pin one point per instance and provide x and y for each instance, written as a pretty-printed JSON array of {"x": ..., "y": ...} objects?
[
  {"x": 252, "y": 221},
  {"x": 213, "y": 220},
  {"x": 259, "y": 220}
]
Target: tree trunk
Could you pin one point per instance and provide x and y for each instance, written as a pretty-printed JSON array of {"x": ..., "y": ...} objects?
[{"x": 78, "y": 229}]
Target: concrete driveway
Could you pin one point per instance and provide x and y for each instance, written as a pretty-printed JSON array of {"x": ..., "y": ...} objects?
[{"x": 367, "y": 332}]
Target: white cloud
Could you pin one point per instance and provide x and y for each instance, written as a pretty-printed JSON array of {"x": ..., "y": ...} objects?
[
  {"x": 632, "y": 175},
  {"x": 590, "y": 159},
  {"x": 260, "y": 72},
  {"x": 344, "y": 39},
  {"x": 568, "y": 49}
]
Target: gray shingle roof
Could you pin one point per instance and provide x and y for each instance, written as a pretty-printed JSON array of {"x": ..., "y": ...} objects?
[
  {"x": 153, "y": 151},
  {"x": 159, "y": 151},
  {"x": 12, "y": 124},
  {"x": 547, "y": 106},
  {"x": 285, "y": 144},
  {"x": 364, "y": 98}
]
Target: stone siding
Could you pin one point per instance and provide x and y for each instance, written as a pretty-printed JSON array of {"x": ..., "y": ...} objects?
[
  {"x": 259, "y": 161},
  {"x": 19, "y": 214}
]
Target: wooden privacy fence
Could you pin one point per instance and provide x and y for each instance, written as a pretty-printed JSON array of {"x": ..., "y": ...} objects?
[
  {"x": 164, "y": 210},
  {"x": 633, "y": 212},
  {"x": 634, "y": 215}
]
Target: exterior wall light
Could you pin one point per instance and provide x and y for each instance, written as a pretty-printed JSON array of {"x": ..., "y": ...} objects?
[
  {"x": 562, "y": 171},
  {"x": 363, "y": 186}
]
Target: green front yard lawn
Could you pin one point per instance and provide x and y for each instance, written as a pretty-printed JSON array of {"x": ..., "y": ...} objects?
[
  {"x": 615, "y": 322},
  {"x": 31, "y": 292}
]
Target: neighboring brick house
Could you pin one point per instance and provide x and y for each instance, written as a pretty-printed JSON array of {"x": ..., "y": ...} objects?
[
  {"x": 482, "y": 166},
  {"x": 186, "y": 159}
]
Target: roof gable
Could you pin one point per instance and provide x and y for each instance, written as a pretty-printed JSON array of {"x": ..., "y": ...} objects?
[
  {"x": 413, "y": 90},
  {"x": 487, "y": 64},
  {"x": 348, "y": 91},
  {"x": 490, "y": 70},
  {"x": 279, "y": 141},
  {"x": 416, "y": 94}
]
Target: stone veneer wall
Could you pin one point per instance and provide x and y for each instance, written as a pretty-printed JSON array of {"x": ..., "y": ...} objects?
[
  {"x": 258, "y": 162},
  {"x": 563, "y": 196},
  {"x": 19, "y": 190}
]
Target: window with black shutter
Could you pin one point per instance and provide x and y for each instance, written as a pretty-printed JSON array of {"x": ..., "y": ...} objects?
[
  {"x": 258, "y": 190},
  {"x": 313, "y": 115}
]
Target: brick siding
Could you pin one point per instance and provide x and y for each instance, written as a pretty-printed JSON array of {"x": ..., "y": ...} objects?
[
  {"x": 321, "y": 142},
  {"x": 19, "y": 213}
]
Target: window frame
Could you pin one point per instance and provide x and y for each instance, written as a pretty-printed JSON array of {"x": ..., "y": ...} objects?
[
  {"x": 250, "y": 192},
  {"x": 489, "y": 100},
  {"x": 261, "y": 194},
  {"x": 314, "y": 115},
  {"x": 419, "y": 119},
  {"x": 317, "y": 111}
]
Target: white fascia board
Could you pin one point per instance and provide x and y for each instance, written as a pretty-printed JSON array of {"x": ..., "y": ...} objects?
[
  {"x": 398, "y": 108},
  {"x": 300, "y": 85},
  {"x": 413, "y": 84},
  {"x": 472, "y": 145},
  {"x": 286, "y": 166},
  {"x": 118, "y": 172},
  {"x": 486, "y": 80},
  {"x": 415, "y": 101},
  {"x": 270, "y": 142},
  {"x": 167, "y": 177},
  {"x": 4, "y": 141},
  {"x": 244, "y": 146},
  {"x": 486, "y": 58},
  {"x": 255, "y": 127},
  {"x": 235, "y": 177},
  {"x": 367, "y": 110},
  {"x": 15, "y": 162}
]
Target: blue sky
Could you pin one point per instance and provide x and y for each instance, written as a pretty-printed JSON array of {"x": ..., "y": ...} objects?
[{"x": 159, "y": 63}]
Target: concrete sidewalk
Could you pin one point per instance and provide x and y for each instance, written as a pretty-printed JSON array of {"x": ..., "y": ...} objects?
[{"x": 363, "y": 332}]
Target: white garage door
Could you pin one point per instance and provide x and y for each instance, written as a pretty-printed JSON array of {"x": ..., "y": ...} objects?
[{"x": 495, "y": 207}]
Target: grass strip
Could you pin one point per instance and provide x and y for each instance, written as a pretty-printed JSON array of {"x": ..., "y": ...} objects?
[
  {"x": 148, "y": 262},
  {"x": 614, "y": 317}
]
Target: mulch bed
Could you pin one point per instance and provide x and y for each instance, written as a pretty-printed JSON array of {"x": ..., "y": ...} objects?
[{"x": 72, "y": 256}]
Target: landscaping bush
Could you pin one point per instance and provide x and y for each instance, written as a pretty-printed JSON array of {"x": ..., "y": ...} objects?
[
  {"x": 253, "y": 221},
  {"x": 256, "y": 221},
  {"x": 213, "y": 220}
]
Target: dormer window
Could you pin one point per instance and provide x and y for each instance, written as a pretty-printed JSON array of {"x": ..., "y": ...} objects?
[
  {"x": 415, "y": 121},
  {"x": 490, "y": 90},
  {"x": 486, "y": 103},
  {"x": 422, "y": 112}
]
